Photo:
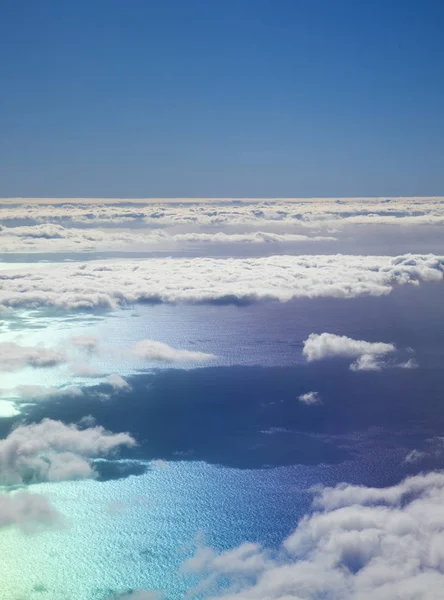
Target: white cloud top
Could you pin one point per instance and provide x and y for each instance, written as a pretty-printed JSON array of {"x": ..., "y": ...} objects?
[
  {"x": 368, "y": 355},
  {"x": 113, "y": 283},
  {"x": 361, "y": 543},
  {"x": 153, "y": 351},
  {"x": 310, "y": 398},
  {"x": 14, "y": 357},
  {"x": 53, "y": 451},
  {"x": 306, "y": 212},
  {"x": 117, "y": 382}
]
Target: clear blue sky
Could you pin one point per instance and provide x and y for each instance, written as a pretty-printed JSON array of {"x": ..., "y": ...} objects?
[{"x": 134, "y": 98}]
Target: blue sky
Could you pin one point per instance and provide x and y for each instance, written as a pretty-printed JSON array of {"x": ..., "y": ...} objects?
[{"x": 221, "y": 98}]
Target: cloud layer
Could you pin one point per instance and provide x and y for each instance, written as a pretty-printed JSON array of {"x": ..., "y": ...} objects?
[
  {"x": 113, "y": 283},
  {"x": 310, "y": 398},
  {"x": 303, "y": 212},
  {"x": 366, "y": 543},
  {"x": 56, "y": 238}
]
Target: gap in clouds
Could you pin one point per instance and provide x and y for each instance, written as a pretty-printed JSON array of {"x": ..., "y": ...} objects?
[{"x": 251, "y": 418}]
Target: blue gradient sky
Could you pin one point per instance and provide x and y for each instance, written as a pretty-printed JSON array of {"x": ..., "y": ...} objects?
[{"x": 228, "y": 98}]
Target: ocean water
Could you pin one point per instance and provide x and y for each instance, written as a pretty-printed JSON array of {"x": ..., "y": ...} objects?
[{"x": 226, "y": 453}]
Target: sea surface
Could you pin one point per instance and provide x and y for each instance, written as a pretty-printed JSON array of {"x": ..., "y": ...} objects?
[{"x": 226, "y": 452}]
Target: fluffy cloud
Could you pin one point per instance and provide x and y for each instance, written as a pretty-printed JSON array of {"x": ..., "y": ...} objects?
[
  {"x": 117, "y": 382},
  {"x": 309, "y": 212},
  {"x": 56, "y": 238},
  {"x": 310, "y": 398},
  {"x": 113, "y": 283},
  {"x": 40, "y": 392},
  {"x": 369, "y": 355},
  {"x": 27, "y": 511},
  {"x": 53, "y": 451},
  {"x": 152, "y": 351},
  {"x": 433, "y": 449},
  {"x": 14, "y": 357},
  {"x": 88, "y": 343},
  {"x": 366, "y": 543}
]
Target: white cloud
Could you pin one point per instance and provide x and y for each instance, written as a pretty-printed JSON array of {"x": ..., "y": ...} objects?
[
  {"x": 370, "y": 356},
  {"x": 360, "y": 543},
  {"x": 117, "y": 382},
  {"x": 411, "y": 363},
  {"x": 14, "y": 357},
  {"x": 414, "y": 456},
  {"x": 27, "y": 511},
  {"x": 25, "y": 393},
  {"x": 152, "y": 351},
  {"x": 328, "y": 345},
  {"x": 113, "y": 283},
  {"x": 295, "y": 212},
  {"x": 88, "y": 343},
  {"x": 310, "y": 398},
  {"x": 56, "y": 238},
  {"x": 53, "y": 451}
]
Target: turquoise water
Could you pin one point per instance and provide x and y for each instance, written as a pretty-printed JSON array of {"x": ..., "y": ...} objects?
[{"x": 135, "y": 532}]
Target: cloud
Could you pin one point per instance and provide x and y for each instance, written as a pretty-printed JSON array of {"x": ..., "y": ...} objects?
[
  {"x": 53, "y": 215},
  {"x": 369, "y": 355},
  {"x": 152, "y": 351},
  {"x": 53, "y": 451},
  {"x": 88, "y": 343},
  {"x": 310, "y": 398},
  {"x": 27, "y": 511},
  {"x": 433, "y": 450},
  {"x": 14, "y": 357},
  {"x": 56, "y": 238},
  {"x": 113, "y": 283},
  {"x": 366, "y": 543},
  {"x": 26, "y": 393},
  {"x": 415, "y": 456},
  {"x": 117, "y": 382}
]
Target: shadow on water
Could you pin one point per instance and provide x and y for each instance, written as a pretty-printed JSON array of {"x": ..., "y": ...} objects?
[{"x": 250, "y": 417}]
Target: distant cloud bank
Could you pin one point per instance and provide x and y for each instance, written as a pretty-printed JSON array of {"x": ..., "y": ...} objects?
[{"x": 88, "y": 225}]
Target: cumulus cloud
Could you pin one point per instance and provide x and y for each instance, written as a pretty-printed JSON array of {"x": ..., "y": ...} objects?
[
  {"x": 366, "y": 543},
  {"x": 117, "y": 382},
  {"x": 88, "y": 343},
  {"x": 433, "y": 449},
  {"x": 53, "y": 451},
  {"x": 153, "y": 351},
  {"x": 56, "y": 238},
  {"x": 25, "y": 393},
  {"x": 308, "y": 212},
  {"x": 310, "y": 398},
  {"x": 27, "y": 511},
  {"x": 14, "y": 357},
  {"x": 113, "y": 283},
  {"x": 370, "y": 356}
]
